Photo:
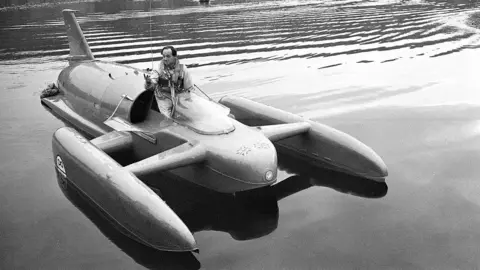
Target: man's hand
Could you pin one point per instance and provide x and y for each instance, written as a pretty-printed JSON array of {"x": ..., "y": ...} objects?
[{"x": 148, "y": 82}]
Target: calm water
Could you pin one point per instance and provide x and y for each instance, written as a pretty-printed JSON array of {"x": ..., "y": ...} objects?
[{"x": 401, "y": 76}]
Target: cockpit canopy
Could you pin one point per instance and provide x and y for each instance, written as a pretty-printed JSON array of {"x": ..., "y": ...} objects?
[{"x": 201, "y": 114}]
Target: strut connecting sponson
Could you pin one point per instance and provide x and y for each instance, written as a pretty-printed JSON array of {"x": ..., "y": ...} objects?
[{"x": 321, "y": 145}]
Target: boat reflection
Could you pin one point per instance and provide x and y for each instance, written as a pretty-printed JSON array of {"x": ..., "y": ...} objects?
[
  {"x": 143, "y": 255},
  {"x": 312, "y": 176},
  {"x": 244, "y": 215}
]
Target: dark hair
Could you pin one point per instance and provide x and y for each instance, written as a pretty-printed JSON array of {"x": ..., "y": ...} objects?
[{"x": 174, "y": 51}]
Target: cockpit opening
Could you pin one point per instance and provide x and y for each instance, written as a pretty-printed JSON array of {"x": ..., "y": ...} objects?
[{"x": 141, "y": 107}]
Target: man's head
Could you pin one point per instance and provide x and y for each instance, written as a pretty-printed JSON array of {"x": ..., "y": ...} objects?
[{"x": 169, "y": 55}]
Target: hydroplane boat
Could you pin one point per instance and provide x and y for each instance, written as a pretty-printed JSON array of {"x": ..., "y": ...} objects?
[{"x": 226, "y": 146}]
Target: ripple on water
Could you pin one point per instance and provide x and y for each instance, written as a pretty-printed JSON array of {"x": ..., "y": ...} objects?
[
  {"x": 322, "y": 33},
  {"x": 474, "y": 20}
]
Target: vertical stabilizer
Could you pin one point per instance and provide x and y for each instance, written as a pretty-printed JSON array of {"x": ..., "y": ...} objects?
[{"x": 79, "y": 49}]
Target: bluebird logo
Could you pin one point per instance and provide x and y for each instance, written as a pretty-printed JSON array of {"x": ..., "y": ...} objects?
[{"x": 60, "y": 166}]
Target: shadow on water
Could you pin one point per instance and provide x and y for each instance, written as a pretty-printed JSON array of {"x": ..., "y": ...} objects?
[{"x": 244, "y": 215}]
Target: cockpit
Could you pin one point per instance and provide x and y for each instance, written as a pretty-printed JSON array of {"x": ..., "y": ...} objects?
[{"x": 193, "y": 109}]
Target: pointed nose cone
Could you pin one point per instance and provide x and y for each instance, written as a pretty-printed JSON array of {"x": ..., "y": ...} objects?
[
  {"x": 361, "y": 160},
  {"x": 155, "y": 224},
  {"x": 374, "y": 167},
  {"x": 147, "y": 217},
  {"x": 344, "y": 153},
  {"x": 165, "y": 231}
]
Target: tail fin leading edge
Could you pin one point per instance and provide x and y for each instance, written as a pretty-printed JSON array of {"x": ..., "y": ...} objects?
[{"x": 79, "y": 49}]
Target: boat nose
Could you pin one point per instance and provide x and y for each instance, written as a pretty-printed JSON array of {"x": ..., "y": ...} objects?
[
  {"x": 248, "y": 165},
  {"x": 263, "y": 172},
  {"x": 368, "y": 164},
  {"x": 251, "y": 165},
  {"x": 261, "y": 167},
  {"x": 376, "y": 168}
]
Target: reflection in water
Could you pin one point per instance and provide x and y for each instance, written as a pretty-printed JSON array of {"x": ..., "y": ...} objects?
[
  {"x": 244, "y": 215},
  {"x": 310, "y": 176},
  {"x": 146, "y": 256},
  {"x": 252, "y": 214}
]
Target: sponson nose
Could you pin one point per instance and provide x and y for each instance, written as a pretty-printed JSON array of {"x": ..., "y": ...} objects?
[
  {"x": 366, "y": 163},
  {"x": 354, "y": 157}
]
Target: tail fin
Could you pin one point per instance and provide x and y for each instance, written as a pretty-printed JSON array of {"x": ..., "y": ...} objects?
[{"x": 79, "y": 49}]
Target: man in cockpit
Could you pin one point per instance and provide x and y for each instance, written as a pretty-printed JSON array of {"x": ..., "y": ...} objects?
[{"x": 173, "y": 78}]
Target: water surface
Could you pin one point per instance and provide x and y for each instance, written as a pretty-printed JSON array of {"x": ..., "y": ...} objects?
[{"x": 401, "y": 76}]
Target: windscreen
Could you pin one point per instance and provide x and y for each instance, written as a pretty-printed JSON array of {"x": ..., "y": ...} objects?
[{"x": 202, "y": 115}]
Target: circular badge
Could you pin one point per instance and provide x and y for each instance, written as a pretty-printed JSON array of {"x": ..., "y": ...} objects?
[{"x": 60, "y": 166}]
